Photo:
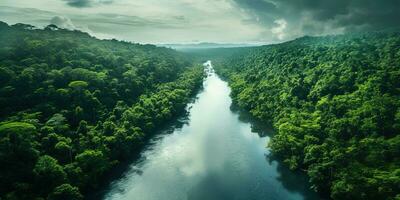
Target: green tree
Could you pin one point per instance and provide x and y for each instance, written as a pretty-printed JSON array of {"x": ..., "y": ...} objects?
[
  {"x": 17, "y": 154},
  {"x": 65, "y": 191},
  {"x": 48, "y": 174},
  {"x": 93, "y": 164}
]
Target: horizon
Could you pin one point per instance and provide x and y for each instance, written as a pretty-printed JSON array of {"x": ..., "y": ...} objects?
[
  {"x": 200, "y": 43},
  {"x": 221, "y": 21}
]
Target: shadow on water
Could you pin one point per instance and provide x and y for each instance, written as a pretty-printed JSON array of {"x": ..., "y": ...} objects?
[
  {"x": 262, "y": 129},
  {"x": 290, "y": 179}
]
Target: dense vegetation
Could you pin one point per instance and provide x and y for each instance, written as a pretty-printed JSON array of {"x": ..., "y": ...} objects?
[
  {"x": 73, "y": 107},
  {"x": 335, "y": 104}
]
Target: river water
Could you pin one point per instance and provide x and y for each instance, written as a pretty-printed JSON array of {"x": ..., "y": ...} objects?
[{"x": 214, "y": 156}]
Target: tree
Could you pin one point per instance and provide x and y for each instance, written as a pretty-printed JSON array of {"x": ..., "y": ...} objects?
[
  {"x": 78, "y": 85},
  {"x": 17, "y": 153},
  {"x": 64, "y": 192},
  {"x": 93, "y": 164},
  {"x": 48, "y": 174}
]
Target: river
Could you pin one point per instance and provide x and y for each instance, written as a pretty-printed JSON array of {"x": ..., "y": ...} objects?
[{"x": 214, "y": 156}]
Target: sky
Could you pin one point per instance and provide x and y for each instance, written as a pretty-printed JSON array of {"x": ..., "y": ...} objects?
[{"x": 193, "y": 21}]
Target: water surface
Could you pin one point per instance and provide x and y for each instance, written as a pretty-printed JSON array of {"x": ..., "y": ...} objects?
[{"x": 215, "y": 156}]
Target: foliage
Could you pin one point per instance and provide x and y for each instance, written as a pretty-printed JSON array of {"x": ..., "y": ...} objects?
[
  {"x": 334, "y": 102},
  {"x": 73, "y": 106},
  {"x": 65, "y": 191}
]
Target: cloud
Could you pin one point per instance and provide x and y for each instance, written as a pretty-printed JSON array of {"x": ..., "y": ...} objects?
[
  {"x": 352, "y": 15},
  {"x": 262, "y": 12},
  {"x": 86, "y": 3},
  {"x": 66, "y": 23},
  {"x": 227, "y": 21},
  {"x": 310, "y": 17},
  {"x": 279, "y": 30},
  {"x": 62, "y": 22}
]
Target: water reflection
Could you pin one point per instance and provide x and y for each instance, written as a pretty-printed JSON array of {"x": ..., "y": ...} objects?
[{"x": 215, "y": 156}]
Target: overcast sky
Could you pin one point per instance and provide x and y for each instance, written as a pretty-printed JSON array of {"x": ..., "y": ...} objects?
[{"x": 222, "y": 21}]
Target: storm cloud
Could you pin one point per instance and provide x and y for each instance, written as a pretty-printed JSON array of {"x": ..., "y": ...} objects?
[{"x": 310, "y": 17}]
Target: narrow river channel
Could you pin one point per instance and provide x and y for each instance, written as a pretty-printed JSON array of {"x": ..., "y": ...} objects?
[{"x": 214, "y": 156}]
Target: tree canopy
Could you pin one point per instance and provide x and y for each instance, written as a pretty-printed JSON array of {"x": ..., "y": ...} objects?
[
  {"x": 334, "y": 102},
  {"x": 73, "y": 107}
]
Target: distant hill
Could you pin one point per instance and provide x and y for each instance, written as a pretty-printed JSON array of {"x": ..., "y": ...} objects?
[{"x": 206, "y": 45}]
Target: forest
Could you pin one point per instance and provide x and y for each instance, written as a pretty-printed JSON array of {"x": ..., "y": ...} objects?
[
  {"x": 334, "y": 102},
  {"x": 73, "y": 107}
]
